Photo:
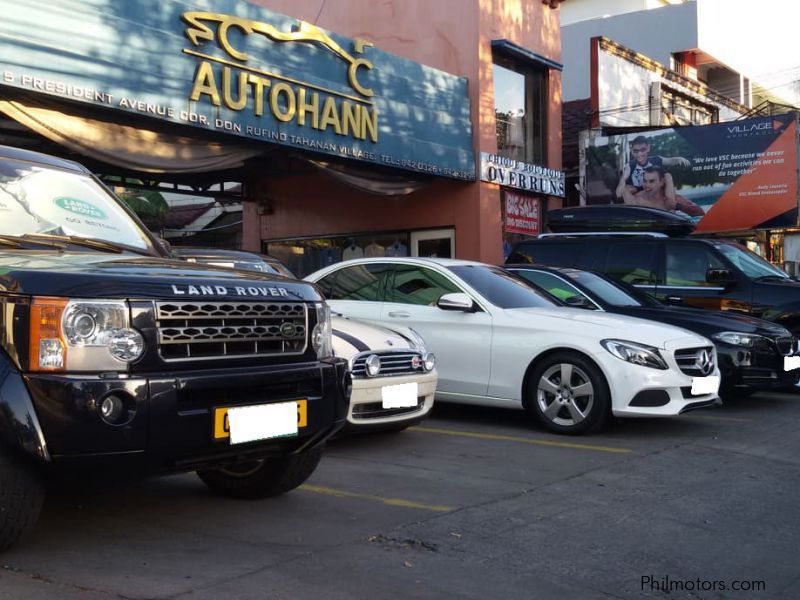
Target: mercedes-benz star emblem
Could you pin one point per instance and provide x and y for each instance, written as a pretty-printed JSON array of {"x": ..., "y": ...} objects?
[{"x": 704, "y": 362}]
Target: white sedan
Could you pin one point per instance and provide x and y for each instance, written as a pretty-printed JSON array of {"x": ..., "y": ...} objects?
[
  {"x": 394, "y": 376},
  {"x": 498, "y": 342}
]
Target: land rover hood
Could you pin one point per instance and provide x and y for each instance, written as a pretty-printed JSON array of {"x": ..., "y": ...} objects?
[{"x": 100, "y": 275}]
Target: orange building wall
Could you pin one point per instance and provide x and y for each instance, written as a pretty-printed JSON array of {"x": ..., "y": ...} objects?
[{"x": 451, "y": 35}]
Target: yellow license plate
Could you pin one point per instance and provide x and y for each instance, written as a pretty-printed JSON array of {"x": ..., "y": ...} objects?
[{"x": 222, "y": 429}]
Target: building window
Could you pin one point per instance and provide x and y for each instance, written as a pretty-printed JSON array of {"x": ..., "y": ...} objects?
[
  {"x": 679, "y": 109},
  {"x": 519, "y": 109}
]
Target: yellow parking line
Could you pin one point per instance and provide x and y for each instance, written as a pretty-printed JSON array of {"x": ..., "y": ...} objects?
[
  {"x": 522, "y": 440},
  {"x": 317, "y": 489}
]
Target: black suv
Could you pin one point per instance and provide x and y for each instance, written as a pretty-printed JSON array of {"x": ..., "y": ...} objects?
[
  {"x": 715, "y": 274},
  {"x": 113, "y": 355}
]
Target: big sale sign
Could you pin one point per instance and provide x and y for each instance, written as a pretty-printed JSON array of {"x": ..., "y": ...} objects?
[{"x": 522, "y": 214}]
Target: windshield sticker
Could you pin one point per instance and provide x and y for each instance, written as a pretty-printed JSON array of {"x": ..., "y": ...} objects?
[
  {"x": 221, "y": 290},
  {"x": 80, "y": 207}
]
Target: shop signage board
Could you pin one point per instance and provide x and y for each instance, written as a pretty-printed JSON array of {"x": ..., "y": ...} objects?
[
  {"x": 239, "y": 69},
  {"x": 737, "y": 175},
  {"x": 521, "y": 213},
  {"x": 511, "y": 173}
]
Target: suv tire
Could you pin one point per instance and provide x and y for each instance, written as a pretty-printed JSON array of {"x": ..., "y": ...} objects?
[
  {"x": 568, "y": 393},
  {"x": 263, "y": 478},
  {"x": 21, "y": 497}
]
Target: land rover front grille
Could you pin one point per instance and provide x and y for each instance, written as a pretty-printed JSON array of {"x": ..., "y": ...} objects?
[
  {"x": 191, "y": 330},
  {"x": 693, "y": 361},
  {"x": 392, "y": 363}
]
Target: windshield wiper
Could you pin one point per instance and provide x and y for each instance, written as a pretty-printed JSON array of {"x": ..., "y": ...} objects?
[
  {"x": 75, "y": 240},
  {"x": 17, "y": 241}
]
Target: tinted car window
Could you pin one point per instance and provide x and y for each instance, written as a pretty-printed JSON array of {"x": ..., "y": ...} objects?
[
  {"x": 749, "y": 263},
  {"x": 556, "y": 253},
  {"x": 609, "y": 292},
  {"x": 358, "y": 282},
  {"x": 551, "y": 284},
  {"x": 633, "y": 263},
  {"x": 686, "y": 265},
  {"x": 501, "y": 288},
  {"x": 412, "y": 284}
]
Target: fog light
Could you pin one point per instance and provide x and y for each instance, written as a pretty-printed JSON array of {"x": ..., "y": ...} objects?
[
  {"x": 373, "y": 365},
  {"x": 429, "y": 360},
  {"x": 112, "y": 410}
]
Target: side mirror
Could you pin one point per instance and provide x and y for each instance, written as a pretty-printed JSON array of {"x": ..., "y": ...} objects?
[
  {"x": 456, "y": 301},
  {"x": 720, "y": 276},
  {"x": 579, "y": 302}
]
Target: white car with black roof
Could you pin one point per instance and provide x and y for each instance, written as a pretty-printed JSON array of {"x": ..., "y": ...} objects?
[{"x": 394, "y": 376}]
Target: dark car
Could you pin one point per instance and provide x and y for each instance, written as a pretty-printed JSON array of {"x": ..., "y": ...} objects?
[
  {"x": 232, "y": 259},
  {"x": 114, "y": 356},
  {"x": 751, "y": 351},
  {"x": 716, "y": 274}
]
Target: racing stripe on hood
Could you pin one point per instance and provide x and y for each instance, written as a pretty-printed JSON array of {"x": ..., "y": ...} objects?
[{"x": 353, "y": 341}]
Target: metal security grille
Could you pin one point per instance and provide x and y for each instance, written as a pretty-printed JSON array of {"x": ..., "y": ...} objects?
[
  {"x": 392, "y": 363},
  {"x": 688, "y": 360},
  {"x": 191, "y": 330}
]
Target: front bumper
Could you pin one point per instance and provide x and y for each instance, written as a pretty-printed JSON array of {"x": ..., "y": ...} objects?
[
  {"x": 366, "y": 402},
  {"x": 638, "y": 391},
  {"x": 173, "y": 427},
  {"x": 761, "y": 367}
]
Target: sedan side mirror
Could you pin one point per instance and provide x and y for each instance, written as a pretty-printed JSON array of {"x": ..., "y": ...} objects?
[
  {"x": 456, "y": 301},
  {"x": 720, "y": 276}
]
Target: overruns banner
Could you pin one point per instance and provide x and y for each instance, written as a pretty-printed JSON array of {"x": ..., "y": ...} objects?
[{"x": 726, "y": 177}]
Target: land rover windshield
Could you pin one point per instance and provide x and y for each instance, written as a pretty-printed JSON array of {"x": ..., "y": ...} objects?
[{"x": 42, "y": 203}]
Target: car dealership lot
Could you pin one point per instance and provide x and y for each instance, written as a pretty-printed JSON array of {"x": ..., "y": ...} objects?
[{"x": 473, "y": 503}]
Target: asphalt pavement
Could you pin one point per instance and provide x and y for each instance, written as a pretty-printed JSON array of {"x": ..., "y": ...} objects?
[{"x": 473, "y": 503}]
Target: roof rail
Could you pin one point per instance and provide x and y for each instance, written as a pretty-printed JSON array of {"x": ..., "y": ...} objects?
[{"x": 605, "y": 233}]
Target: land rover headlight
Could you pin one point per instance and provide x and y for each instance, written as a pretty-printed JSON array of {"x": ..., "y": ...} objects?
[
  {"x": 82, "y": 335},
  {"x": 734, "y": 338},
  {"x": 321, "y": 335},
  {"x": 638, "y": 354}
]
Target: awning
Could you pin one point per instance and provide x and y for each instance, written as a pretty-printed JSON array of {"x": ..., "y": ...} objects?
[{"x": 134, "y": 148}]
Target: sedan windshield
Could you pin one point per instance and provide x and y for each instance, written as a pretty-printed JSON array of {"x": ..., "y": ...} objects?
[
  {"x": 750, "y": 263},
  {"x": 36, "y": 200},
  {"x": 501, "y": 288}
]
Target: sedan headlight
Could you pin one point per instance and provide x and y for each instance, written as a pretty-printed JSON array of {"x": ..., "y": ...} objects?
[
  {"x": 321, "y": 339},
  {"x": 638, "y": 354},
  {"x": 82, "y": 335},
  {"x": 735, "y": 338}
]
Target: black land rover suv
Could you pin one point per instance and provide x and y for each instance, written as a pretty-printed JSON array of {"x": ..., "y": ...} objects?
[
  {"x": 115, "y": 356},
  {"x": 704, "y": 273}
]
